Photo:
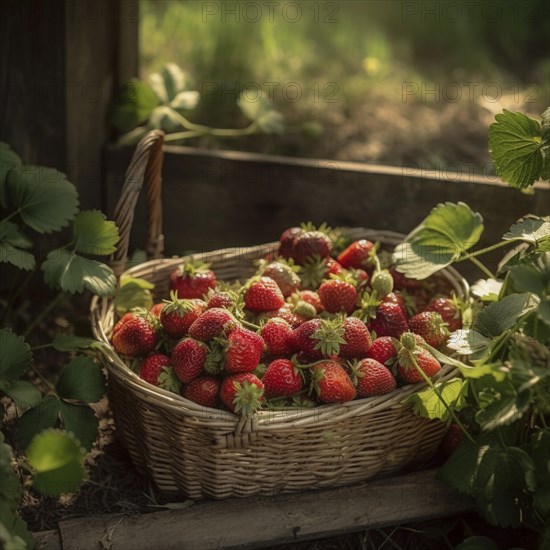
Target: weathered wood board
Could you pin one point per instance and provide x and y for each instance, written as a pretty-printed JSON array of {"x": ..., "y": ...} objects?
[{"x": 277, "y": 520}]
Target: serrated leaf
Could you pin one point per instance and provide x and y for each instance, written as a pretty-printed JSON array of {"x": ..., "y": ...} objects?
[
  {"x": 495, "y": 370},
  {"x": 23, "y": 393},
  {"x": 185, "y": 101},
  {"x": 58, "y": 462},
  {"x": 468, "y": 342},
  {"x": 81, "y": 421},
  {"x": 487, "y": 290},
  {"x": 69, "y": 342},
  {"x": 132, "y": 106},
  {"x": 94, "y": 234},
  {"x": 72, "y": 273},
  {"x": 460, "y": 469},
  {"x": 449, "y": 230},
  {"x": 429, "y": 402},
  {"x": 13, "y": 245},
  {"x": 262, "y": 113},
  {"x": 504, "y": 411},
  {"x": 514, "y": 144},
  {"x": 499, "y": 316},
  {"x": 9, "y": 160},
  {"x": 527, "y": 278},
  {"x": 43, "y": 197},
  {"x": 44, "y": 415},
  {"x": 133, "y": 292},
  {"x": 477, "y": 543},
  {"x": 15, "y": 357},
  {"x": 168, "y": 83},
  {"x": 82, "y": 380},
  {"x": 530, "y": 229}
]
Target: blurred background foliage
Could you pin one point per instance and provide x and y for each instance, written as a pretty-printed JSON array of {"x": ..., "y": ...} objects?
[{"x": 365, "y": 70}]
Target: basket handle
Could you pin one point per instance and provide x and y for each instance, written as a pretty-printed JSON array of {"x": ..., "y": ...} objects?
[{"x": 146, "y": 166}]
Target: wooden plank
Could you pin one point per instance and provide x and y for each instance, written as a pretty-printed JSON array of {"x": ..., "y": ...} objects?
[
  {"x": 278, "y": 520},
  {"x": 47, "y": 540}
]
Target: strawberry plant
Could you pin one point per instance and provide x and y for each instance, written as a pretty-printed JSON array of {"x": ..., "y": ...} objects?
[
  {"x": 502, "y": 401},
  {"x": 56, "y": 426}
]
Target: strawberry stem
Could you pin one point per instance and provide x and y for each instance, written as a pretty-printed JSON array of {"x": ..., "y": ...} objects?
[{"x": 250, "y": 325}]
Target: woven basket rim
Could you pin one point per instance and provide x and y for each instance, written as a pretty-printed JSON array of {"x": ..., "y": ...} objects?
[{"x": 267, "y": 418}]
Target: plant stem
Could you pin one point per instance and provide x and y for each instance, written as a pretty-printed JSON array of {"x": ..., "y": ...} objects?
[
  {"x": 46, "y": 311},
  {"x": 481, "y": 266},
  {"x": 250, "y": 325},
  {"x": 496, "y": 246}
]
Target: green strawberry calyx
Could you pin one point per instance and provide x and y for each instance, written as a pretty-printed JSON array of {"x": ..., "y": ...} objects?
[
  {"x": 168, "y": 380},
  {"x": 329, "y": 336},
  {"x": 248, "y": 397}
]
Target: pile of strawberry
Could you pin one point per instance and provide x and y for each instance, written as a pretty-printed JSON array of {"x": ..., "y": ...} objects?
[{"x": 320, "y": 322}]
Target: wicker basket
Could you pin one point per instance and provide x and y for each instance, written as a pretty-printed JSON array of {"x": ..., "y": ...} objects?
[{"x": 205, "y": 452}]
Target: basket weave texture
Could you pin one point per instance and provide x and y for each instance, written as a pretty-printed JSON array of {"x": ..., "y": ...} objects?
[{"x": 206, "y": 452}]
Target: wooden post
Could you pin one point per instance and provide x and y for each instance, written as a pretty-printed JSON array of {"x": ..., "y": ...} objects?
[{"x": 59, "y": 65}]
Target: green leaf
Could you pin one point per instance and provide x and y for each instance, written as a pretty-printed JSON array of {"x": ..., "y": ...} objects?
[
  {"x": 44, "y": 198},
  {"x": 58, "y": 462},
  {"x": 499, "y": 316},
  {"x": 477, "y": 543},
  {"x": 12, "y": 247},
  {"x": 10, "y": 486},
  {"x": 14, "y": 534},
  {"x": 460, "y": 470},
  {"x": 504, "y": 411},
  {"x": 262, "y": 113},
  {"x": 9, "y": 160},
  {"x": 164, "y": 118},
  {"x": 81, "y": 421},
  {"x": 495, "y": 370},
  {"x": 527, "y": 278},
  {"x": 16, "y": 355},
  {"x": 23, "y": 393},
  {"x": 487, "y": 290},
  {"x": 133, "y": 105},
  {"x": 72, "y": 273},
  {"x": 133, "y": 292},
  {"x": 69, "y": 342},
  {"x": 82, "y": 380},
  {"x": 44, "y": 415},
  {"x": 514, "y": 144},
  {"x": 447, "y": 232},
  {"x": 531, "y": 229},
  {"x": 168, "y": 83},
  {"x": 468, "y": 342},
  {"x": 429, "y": 402},
  {"x": 94, "y": 234},
  {"x": 543, "y": 312},
  {"x": 185, "y": 101},
  {"x": 542, "y": 498}
]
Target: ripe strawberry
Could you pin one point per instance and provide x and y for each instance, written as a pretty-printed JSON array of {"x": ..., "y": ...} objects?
[
  {"x": 282, "y": 379},
  {"x": 316, "y": 338},
  {"x": 284, "y": 275},
  {"x": 156, "y": 309},
  {"x": 179, "y": 315},
  {"x": 263, "y": 294},
  {"x": 242, "y": 393},
  {"x": 292, "y": 318},
  {"x": 134, "y": 335},
  {"x": 383, "y": 350},
  {"x": 213, "y": 322},
  {"x": 411, "y": 357},
  {"x": 308, "y": 296},
  {"x": 204, "y": 391},
  {"x": 396, "y": 298},
  {"x": 221, "y": 300},
  {"x": 316, "y": 269},
  {"x": 243, "y": 351},
  {"x": 309, "y": 244},
  {"x": 152, "y": 367},
  {"x": 401, "y": 282},
  {"x": 192, "y": 280},
  {"x": 373, "y": 378},
  {"x": 286, "y": 241},
  {"x": 357, "y": 255},
  {"x": 188, "y": 357},
  {"x": 431, "y": 327},
  {"x": 357, "y": 338},
  {"x": 332, "y": 383},
  {"x": 389, "y": 321},
  {"x": 453, "y": 438},
  {"x": 448, "y": 310},
  {"x": 337, "y": 295},
  {"x": 277, "y": 334}
]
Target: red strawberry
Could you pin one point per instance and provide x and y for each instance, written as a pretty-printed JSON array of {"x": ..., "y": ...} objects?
[
  {"x": 156, "y": 309},
  {"x": 412, "y": 358},
  {"x": 292, "y": 318},
  {"x": 192, "y": 280},
  {"x": 243, "y": 351},
  {"x": 134, "y": 335},
  {"x": 401, "y": 282},
  {"x": 310, "y": 297},
  {"x": 282, "y": 379},
  {"x": 448, "y": 310},
  {"x": 263, "y": 294},
  {"x": 383, "y": 350},
  {"x": 188, "y": 357},
  {"x": 357, "y": 255},
  {"x": 221, "y": 300},
  {"x": 453, "y": 438},
  {"x": 389, "y": 321},
  {"x": 309, "y": 244},
  {"x": 242, "y": 393},
  {"x": 284, "y": 275},
  {"x": 213, "y": 322},
  {"x": 204, "y": 391},
  {"x": 331, "y": 382},
  {"x": 302, "y": 339},
  {"x": 337, "y": 295},
  {"x": 357, "y": 338},
  {"x": 431, "y": 327},
  {"x": 316, "y": 269},
  {"x": 286, "y": 242},
  {"x": 179, "y": 315},
  {"x": 152, "y": 366},
  {"x": 373, "y": 378},
  {"x": 396, "y": 298},
  {"x": 277, "y": 334}
]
